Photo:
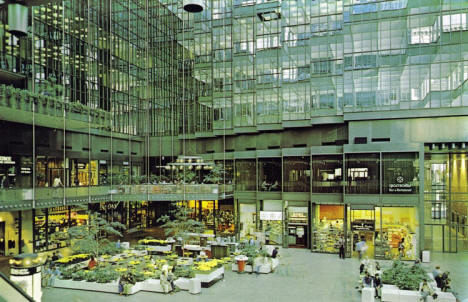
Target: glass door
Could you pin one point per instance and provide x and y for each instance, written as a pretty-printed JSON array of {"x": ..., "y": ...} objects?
[{"x": 362, "y": 225}]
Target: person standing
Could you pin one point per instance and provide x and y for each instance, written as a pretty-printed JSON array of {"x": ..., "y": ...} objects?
[
  {"x": 57, "y": 182},
  {"x": 54, "y": 257},
  {"x": 401, "y": 248},
  {"x": 274, "y": 254},
  {"x": 341, "y": 246}
]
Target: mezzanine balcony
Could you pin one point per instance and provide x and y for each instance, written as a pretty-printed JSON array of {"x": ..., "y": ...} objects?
[{"x": 22, "y": 199}]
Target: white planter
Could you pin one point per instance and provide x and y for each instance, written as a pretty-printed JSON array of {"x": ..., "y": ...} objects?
[
  {"x": 182, "y": 283},
  {"x": 207, "y": 278},
  {"x": 151, "y": 285},
  {"x": 158, "y": 248},
  {"x": 112, "y": 287},
  {"x": 264, "y": 268}
]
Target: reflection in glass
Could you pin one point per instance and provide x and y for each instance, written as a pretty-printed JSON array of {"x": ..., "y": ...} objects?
[
  {"x": 296, "y": 174},
  {"x": 327, "y": 173}
]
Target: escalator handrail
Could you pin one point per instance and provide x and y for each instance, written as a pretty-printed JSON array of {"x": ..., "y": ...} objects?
[{"x": 16, "y": 287}]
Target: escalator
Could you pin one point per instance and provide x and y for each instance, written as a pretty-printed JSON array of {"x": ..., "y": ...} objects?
[{"x": 10, "y": 292}]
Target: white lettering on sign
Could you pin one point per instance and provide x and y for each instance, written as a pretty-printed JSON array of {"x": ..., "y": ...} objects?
[
  {"x": 6, "y": 160},
  {"x": 268, "y": 215}
]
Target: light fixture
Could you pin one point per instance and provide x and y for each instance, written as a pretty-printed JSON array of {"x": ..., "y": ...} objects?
[
  {"x": 193, "y": 6},
  {"x": 18, "y": 19}
]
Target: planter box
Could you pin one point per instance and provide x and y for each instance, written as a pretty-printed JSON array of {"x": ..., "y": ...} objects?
[
  {"x": 207, "y": 278},
  {"x": 150, "y": 285},
  {"x": 182, "y": 283},
  {"x": 264, "y": 268},
  {"x": 112, "y": 287},
  {"x": 393, "y": 294},
  {"x": 158, "y": 248}
]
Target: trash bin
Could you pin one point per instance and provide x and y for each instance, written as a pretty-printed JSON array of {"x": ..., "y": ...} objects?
[
  {"x": 426, "y": 256},
  {"x": 194, "y": 286}
]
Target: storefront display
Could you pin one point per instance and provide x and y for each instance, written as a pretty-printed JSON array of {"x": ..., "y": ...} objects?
[
  {"x": 328, "y": 228},
  {"x": 398, "y": 234},
  {"x": 225, "y": 217},
  {"x": 389, "y": 232},
  {"x": 247, "y": 220},
  {"x": 50, "y": 226}
]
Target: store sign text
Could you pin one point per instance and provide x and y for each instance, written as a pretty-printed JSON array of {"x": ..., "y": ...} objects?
[
  {"x": 268, "y": 215},
  {"x": 6, "y": 160},
  {"x": 404, "y": 188}
]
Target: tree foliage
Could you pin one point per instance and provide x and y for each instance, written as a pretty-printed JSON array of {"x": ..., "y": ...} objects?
[
  {"x": 216, "y": 175},
  {"x": 89, "y": 238},
  {"x": 180, "y": 224}
]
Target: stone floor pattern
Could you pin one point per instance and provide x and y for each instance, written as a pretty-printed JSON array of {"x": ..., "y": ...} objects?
[{"x": 301, "y": 276}]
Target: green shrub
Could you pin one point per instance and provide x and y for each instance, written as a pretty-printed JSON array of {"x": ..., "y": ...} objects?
[{"x": 404, "y": 276}]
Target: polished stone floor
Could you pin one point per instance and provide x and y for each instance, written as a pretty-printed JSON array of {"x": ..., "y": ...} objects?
[{"x": 301, "y": 276}]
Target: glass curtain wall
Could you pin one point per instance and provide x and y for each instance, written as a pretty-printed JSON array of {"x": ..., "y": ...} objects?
[
  {"x": 327, "y": 173},
  {"x": 268, "y": 177},
  {"x": 296, "y": 174},
  {"x": 362, "y": 173},
  {"x": 246, "y": 172},
  {"x": 445, "y": 206}
]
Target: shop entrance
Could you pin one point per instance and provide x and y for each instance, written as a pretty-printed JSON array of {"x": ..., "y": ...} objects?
[
  {"x": 363, "y": 228},
  {"x": 2, "y": 238},
  {"x": 298, "y": 226}
]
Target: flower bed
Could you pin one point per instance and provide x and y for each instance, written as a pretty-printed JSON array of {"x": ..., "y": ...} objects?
[
  {"x": 155, "y": 242},
  {"x": 73, "y": 259}
]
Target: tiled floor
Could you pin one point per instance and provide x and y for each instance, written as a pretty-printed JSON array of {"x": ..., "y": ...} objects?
[{"x": 301, "y": 276}]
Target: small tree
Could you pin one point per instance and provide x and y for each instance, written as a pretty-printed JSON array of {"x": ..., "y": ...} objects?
[
  {"x": 89, "y": 238},
  {"x": 180, "y": 224},
  {"x": 216, "y": 175}
]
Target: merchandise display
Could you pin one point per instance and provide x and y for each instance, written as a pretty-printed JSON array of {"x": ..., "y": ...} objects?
[
  {"x": 326, "y": 236},
  {"x": 386, "y": 246}
]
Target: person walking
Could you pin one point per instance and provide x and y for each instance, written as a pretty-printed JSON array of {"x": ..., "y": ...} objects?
[{"x": 361, "y": 247}]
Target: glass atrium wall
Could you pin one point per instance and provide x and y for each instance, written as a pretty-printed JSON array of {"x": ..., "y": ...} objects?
[{"x": 263, "y": 62}]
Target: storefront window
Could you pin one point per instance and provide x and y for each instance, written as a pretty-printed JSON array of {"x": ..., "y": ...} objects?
[
  {"x": 271, "y": 217},
  {"x": 327, "y": 173},
  {"x": 84, "y": 173},
  {"x": 269, "y": 174},
  {"x": 362, "y": 173},
  {"x": 50, "y": 172},
  {"x": 50, "y": 226},
  {"x": 137, "y": 214},
  {"x": 226, "y": 218},
  {"x": 328, "y": 228},
  {"x": 245, "y": 174},
  {"x": 7, "y": 172},
  {"x": 400, "y": 173},
  {"x": 24, "y": 175},
  {"x": 296, "y": 171},
  {"x": 247, "y": 220},
  {"x": 399, "y": 233}
]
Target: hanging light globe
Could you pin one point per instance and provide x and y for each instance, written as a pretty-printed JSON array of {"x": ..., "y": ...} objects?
[
  {"x": 18, "y": 19},
  {"x": 193, "y": 6}
]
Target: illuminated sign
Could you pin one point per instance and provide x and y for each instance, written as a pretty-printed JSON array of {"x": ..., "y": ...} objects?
[
  {"x": 6, "y": 160},
  {"x": 268, "y": 215}
]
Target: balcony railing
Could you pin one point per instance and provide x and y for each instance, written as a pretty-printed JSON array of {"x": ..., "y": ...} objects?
[
  {"x": 17, "y": 199},
  {"x": 26, "y": 100}
]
